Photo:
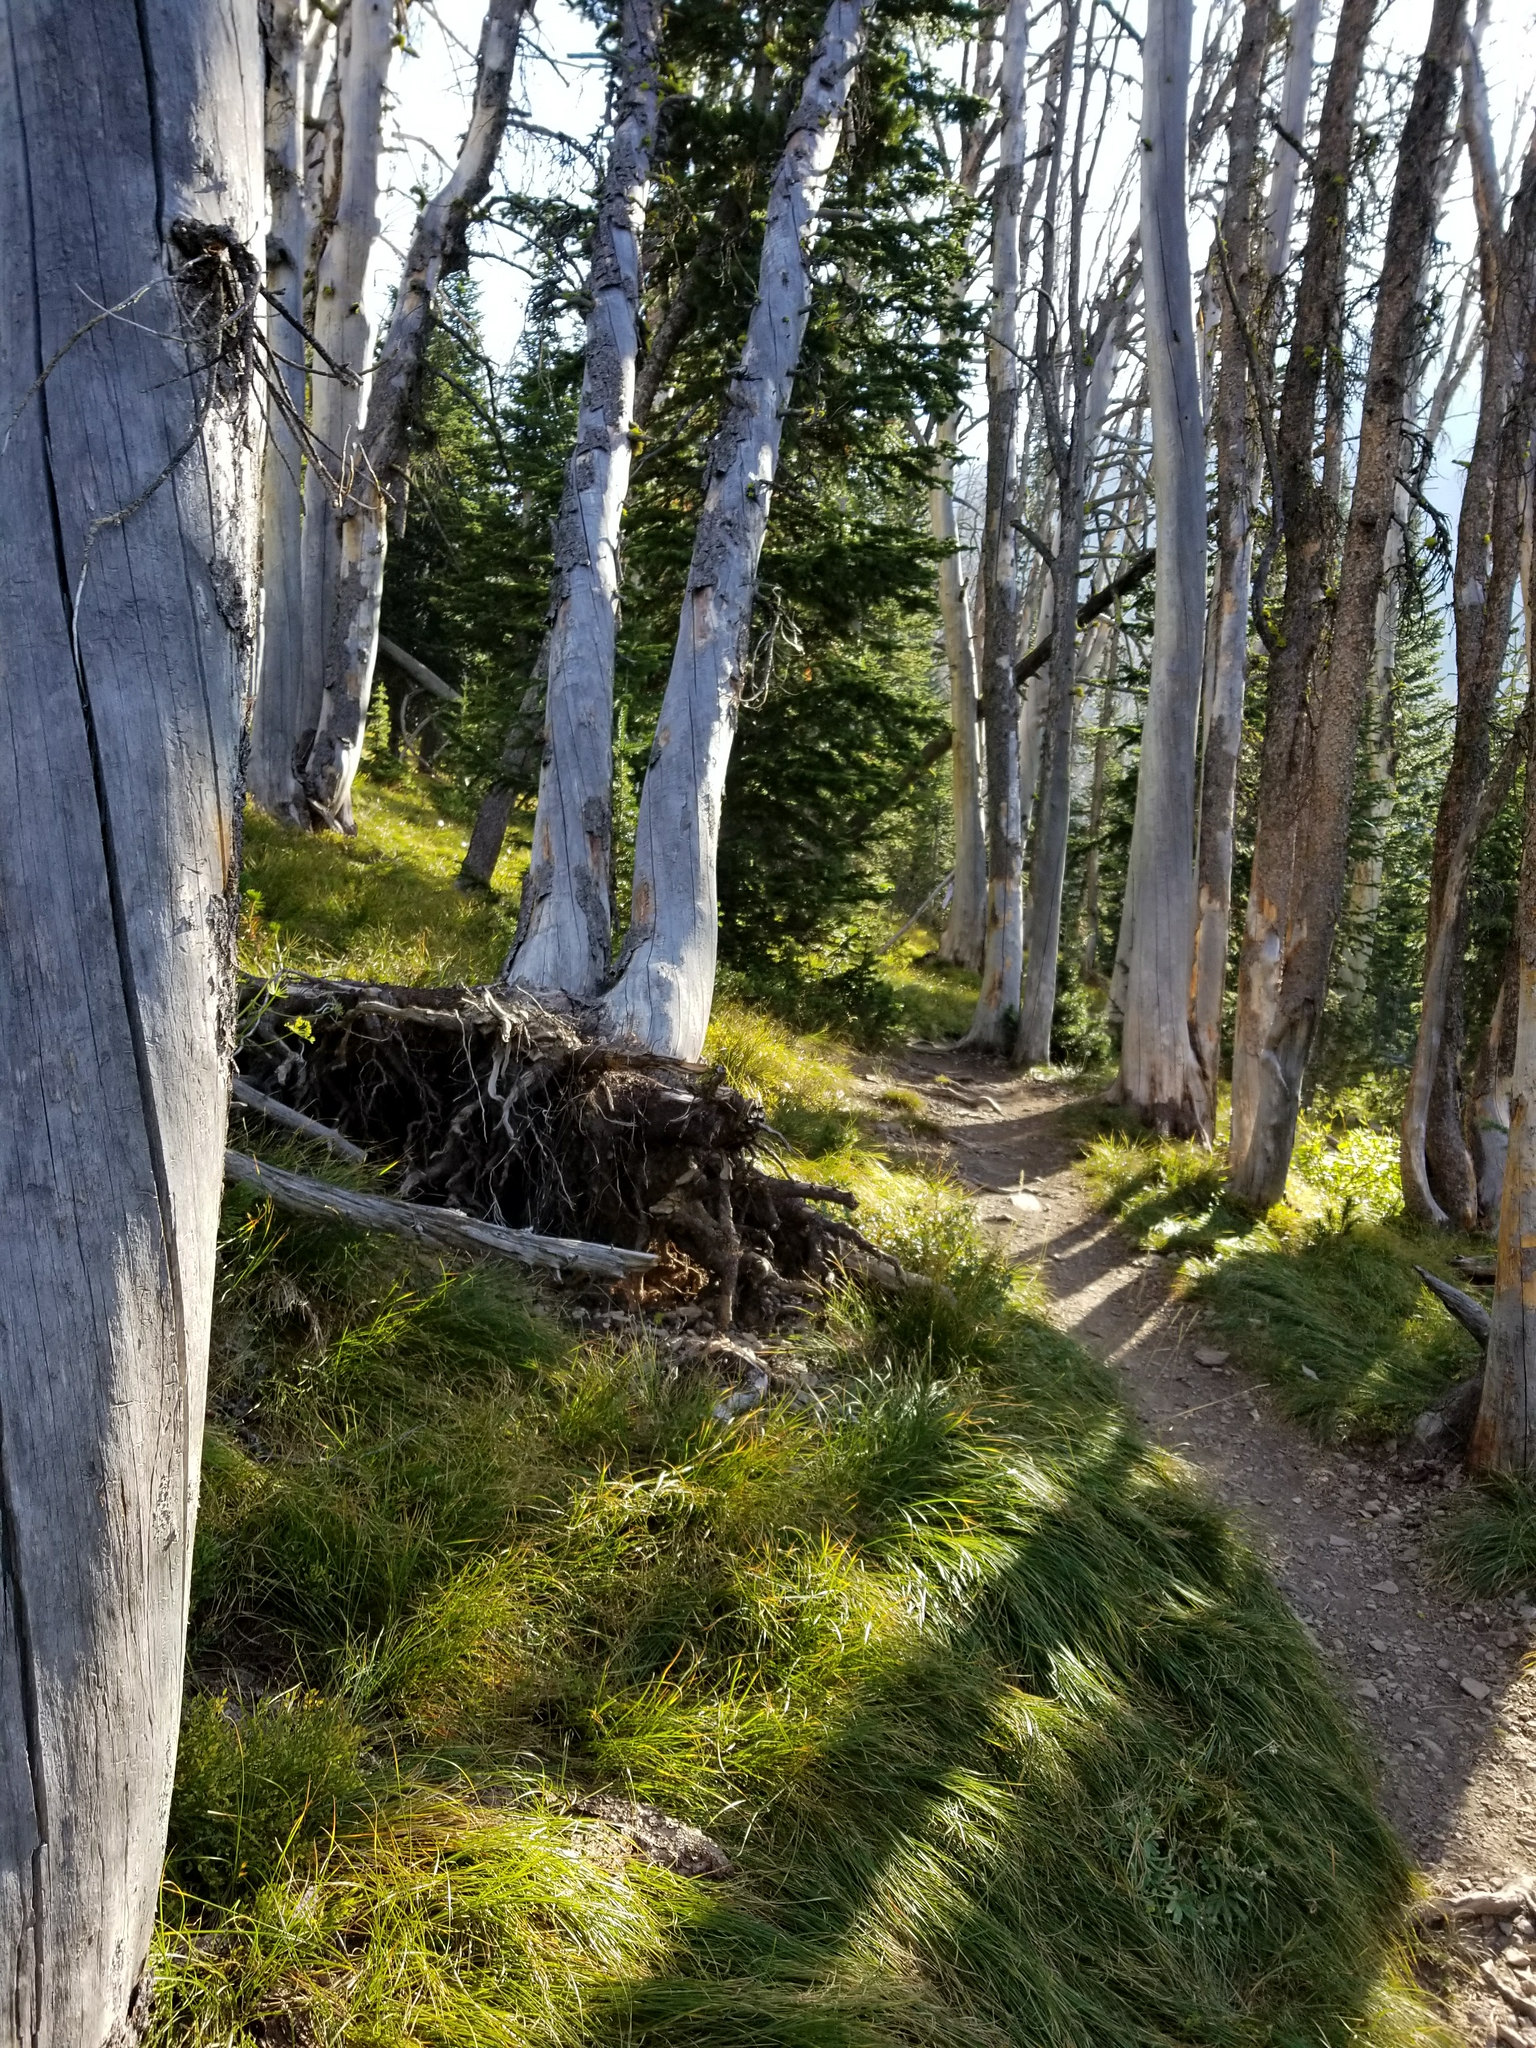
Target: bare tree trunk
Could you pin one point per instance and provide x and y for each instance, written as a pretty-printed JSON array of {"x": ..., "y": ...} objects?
[
  {"x": 1227, "y": 623},
  {"x": 1489, "y": 1103},
  {"x": 277, "y": 719},
  {"x": 1003, "y": 958},
  {"x": 1504, "y": 1438},
  {"x": 1090, "y": 920},
  {"x": 1363, "y": 899},
  {"x": 346, "y": 229},
  {"x": 665, "y": 988},
  {"x": 1439, "y": 1182},
  {"x": 130, "y": 174},
  {"x": 1262, "y": 1133},
  {"x": 1158, "y": 1075},
  {"x": 565, "y": 930},
  {"x": 1295, "y": 92},
  {"x": 965, "y": 930},
  {"x": 373, "y": 482}
]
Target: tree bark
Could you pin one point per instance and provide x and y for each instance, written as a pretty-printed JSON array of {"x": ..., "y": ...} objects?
[
  {"x": 346, "y": 230},
  {"x": 1504, "y": 1437},
  {"x": 565, "y": 929},
  {"x": 1262, "y": 1130},
  {"x": 1439, "y": 1183},
  {"x": 666, "y": 982},
  {"x": 373, "y": 482},
  {"x": 278, "y": 716},
  {"x": 128, "y": 542},
  {"x": 965, "y": 930},
  {"x": 1236, "y": 478},
  {"x": 1158, "y": 1077},
  {"x": 1003, "y": 954},
  {"x": 1295, "y": 92}
]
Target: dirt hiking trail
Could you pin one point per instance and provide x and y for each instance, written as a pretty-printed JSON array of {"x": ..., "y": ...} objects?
[{"x": 1435, "y": 1680}]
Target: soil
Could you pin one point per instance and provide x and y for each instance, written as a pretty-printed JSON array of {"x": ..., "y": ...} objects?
[{"x": 1437, "y": 1682}]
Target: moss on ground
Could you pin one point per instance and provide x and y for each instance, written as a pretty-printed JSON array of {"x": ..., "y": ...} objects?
[{"x": 1010, "y": 1738}]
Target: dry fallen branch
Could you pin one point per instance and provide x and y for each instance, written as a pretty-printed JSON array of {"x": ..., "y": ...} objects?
[
  {"x": 1469, "y": 1312},
  {"x": 295, "y": 1120},
  {"x": 443, "y": 1229}
]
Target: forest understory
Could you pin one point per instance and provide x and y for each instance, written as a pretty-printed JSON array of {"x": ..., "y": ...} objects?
[{"x": 564, "y": 1668}]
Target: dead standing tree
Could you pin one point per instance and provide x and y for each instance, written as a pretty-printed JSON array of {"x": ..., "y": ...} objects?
[
  {"x": 565, "y": 927},
  {"x": 128, "y": 536},
  {"x": 368, "y": 485},
  {"x": 665, "y": 987},
  {"x": 998, "y": 578}
]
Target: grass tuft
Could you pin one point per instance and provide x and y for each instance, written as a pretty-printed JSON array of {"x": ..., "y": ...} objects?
[{"x": 1489, "y": 1541}]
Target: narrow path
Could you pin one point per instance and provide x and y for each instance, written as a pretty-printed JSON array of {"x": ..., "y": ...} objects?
[{"x": 1435, "y": 1680}]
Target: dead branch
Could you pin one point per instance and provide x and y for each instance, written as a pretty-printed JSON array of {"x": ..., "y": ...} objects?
[
  {"x": 1469, "y": 1312},
  {"x": 295, "y": 1120}
]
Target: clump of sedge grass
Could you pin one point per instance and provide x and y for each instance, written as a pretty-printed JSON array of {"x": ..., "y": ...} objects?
[{"x": 1489, "y": 1541}]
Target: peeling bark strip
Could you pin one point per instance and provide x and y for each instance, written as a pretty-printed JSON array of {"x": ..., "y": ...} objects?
[
  {"x": 666, "y": 984},
  {"x": 1158, "y": 1076},
  {"x": 370, "y": 485},
  {"x": 565, "y": 934},
  {"x": 127, "y": 560},
  {"x": 1308, "y": 772}
]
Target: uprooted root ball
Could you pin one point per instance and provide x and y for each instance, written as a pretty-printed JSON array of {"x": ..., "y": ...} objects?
[{"x": 494, "y": 1102}]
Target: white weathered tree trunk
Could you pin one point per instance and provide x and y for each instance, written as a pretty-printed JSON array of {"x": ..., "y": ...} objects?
[
  {"x": 565, "y": 931},
  {"x": 373, "y": 481},
  {"x": 1002, "y": 970},
  {"x": 1295, "y": 92},
  {"x": 1158, "y": 1075},
  {"x": 1363, "y": 898},
  {"x": 965, "y": 930},
  {"x": 666, "y": 983},
  {"x": 347, "y": 228},
  {"x": 130, "y": 162},
  {"x": 272, "y": 776}
]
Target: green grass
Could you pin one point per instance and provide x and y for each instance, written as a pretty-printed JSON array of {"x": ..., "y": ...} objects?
[
  {"x": 1011, "y": 1739},
  {"x": 935, "y": 1001},
  {"x": 1319, "y": 1296},
  {"x": 382, "y": 906},
  {"x": 1489, "y": 1542}
]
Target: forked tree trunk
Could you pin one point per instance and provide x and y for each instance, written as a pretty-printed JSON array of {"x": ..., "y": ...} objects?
[
  {"x": 1002, "y": 967},
  {"x": 346, "y": 230},
  {"x": 1261, "y": 1136},
  {"x": 565, "y": 929},
  {"x": 1158, "y": 1076},
  {"x": 128, "y": 531},
  {"x": 1227, "y": 624},
  {"x": 278, "y": 717},
  {"x": 1438, "y": 1176},
  {"x": 965, "y": 930},
  {"x": 666, "y": 983},
  {"x": 373, "y": 481},
  {"x": 1504, "y": 1438}
]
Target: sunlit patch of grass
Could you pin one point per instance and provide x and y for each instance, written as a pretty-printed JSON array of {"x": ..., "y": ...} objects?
[
  {"x": 937, "y": 1002},
  {"x": 381, "y": 906},
  {"x": 804, "y": 1084},
  {"x": 1319, "y": 1295}
]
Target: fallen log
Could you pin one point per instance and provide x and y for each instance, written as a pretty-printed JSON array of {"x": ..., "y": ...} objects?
[
  {"x": 1467, "y": 1310},
  {"x": 295, "y": 1120},
  {"x": 441, "y": 1229}
]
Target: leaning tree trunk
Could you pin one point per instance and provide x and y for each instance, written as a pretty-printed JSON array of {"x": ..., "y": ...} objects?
[
  {"x": 1228, "y": 621},
  {"x": 278, "y": 717},
  {"x": 965, "y": 930},
  {"x": 666, "y": 983},
  {"x": 1002, "y": 968},
  {"x": 127, "y": 627},
  {"x": 565, "y": 930},
  {"x": 1158, "y": 1076},
  {"x": 1438, "y": 1176},
  {"x": 346, "y": 229},
  {"x": 1504, "y": 1439},
  {"x": 373, "y": 485}
]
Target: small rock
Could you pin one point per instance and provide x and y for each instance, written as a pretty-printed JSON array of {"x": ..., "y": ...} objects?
[
  {"x": 1474, "y": 1688},
  {"x": 658, "y": 1838},
  {"x": 1385, "y": 1586},
  {"x": 1028, "y": 1205},
  {"x": 1204, "y": 1357},
  {"x": 1340, "y": 1543},
  {"x": 1366, "y": 1690},
  {"x": 1307, "y": 1373},
  {"x": 1378, "y": 1644}
]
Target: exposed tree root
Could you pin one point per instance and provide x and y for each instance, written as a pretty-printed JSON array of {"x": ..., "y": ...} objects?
[{"x": 499, "y": 1105}]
